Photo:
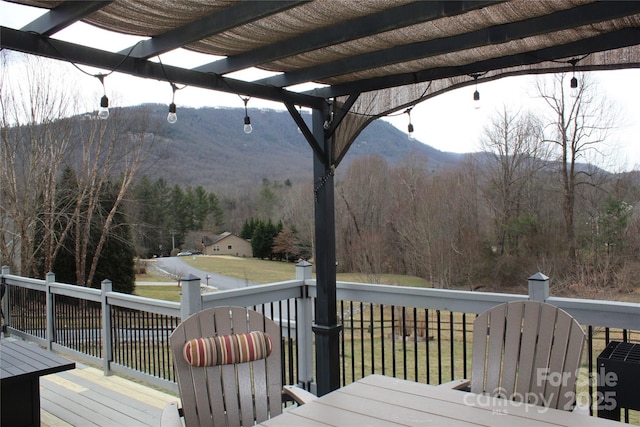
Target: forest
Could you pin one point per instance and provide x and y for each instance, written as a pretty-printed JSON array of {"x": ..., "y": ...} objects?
[{"x": 77, "y": 192}]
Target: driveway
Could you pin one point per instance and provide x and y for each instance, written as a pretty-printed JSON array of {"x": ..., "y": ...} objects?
[{"x": 177, "y": 267}]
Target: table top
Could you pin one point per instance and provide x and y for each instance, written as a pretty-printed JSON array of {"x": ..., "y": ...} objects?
[
  {"x": 20, "y": 360},
  {"x": 385, "y": 401}
]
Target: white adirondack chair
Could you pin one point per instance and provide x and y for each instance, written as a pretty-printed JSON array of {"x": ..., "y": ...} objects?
[
  {"x": 526, "y": 351},
  {"x": 228, "y": 368}
]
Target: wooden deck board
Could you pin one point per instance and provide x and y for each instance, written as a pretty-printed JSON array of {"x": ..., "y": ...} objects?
[{"x": 85, "y": 397}]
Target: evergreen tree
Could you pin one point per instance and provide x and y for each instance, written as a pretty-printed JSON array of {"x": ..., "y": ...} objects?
[
  {"x": 116, "y": 261},
  {"x": 261, "y": 240}
]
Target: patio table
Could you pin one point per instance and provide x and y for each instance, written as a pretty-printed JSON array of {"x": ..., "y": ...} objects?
[
  {"x": 21, "y": 366},
  {"x": 379, "y": 400}
]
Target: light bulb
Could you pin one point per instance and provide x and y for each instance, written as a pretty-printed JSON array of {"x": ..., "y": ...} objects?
[
  {"x": 247, "y": 125},
  {"x": 476, "y": 100},
  {"x": 410, "y": 132},
  {"x": 573, "y": 91},
  {"x": 172, "y": 117},
  {"x": 103, "y": 112}
]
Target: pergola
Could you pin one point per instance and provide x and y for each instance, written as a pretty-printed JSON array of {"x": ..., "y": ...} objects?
[{"x": 367, "y": 58}]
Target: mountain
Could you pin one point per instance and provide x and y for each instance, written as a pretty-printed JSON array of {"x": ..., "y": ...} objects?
[{"x": 207, "y": 146}]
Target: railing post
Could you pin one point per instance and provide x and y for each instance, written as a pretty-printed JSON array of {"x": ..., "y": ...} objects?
[
  {"x": 5, "y": 302},
  {"x": 106, "y": 286},
  {"x": 538, "y": 287},
  {"x": 304, "y": 322},
  {"x": 50, "y": 308},
  {"x": 190, "y": 299}
]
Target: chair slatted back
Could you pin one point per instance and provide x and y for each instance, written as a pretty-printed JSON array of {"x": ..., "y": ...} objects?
[
  {"x": 527, "y": 351},
  {"x": 234, "y": 394}
]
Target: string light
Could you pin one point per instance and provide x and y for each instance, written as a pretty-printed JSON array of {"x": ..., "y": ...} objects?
[
  {"x": 476, "y": 94},
  {"x": 247, "y": 120},
  {"x": 172, "y": 117},
  {"x": 573, "y": 84},
  {"x": 103, "y": 111},
  {"x": 410, "y": 127}
]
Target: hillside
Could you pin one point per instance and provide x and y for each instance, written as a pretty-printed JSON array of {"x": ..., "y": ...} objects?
[{"x": 208, "y": 147}]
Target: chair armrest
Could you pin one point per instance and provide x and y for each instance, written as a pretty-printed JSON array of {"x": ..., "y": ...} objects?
[
  {"x": 463, "y": 384},
  {"x": 300, "y": 395},
  {"x": 171, "y": 416}
]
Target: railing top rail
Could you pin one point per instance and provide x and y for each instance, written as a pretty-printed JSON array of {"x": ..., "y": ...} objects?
[
  {"x": 437, "y": 299},
  {"x": 613, "y": 314},
  {"x": 27, "y": 282},
  {"x": 254, "y": 295},
  {"x": 152, "y": 305},
  {"x": 75, "y": 291}
]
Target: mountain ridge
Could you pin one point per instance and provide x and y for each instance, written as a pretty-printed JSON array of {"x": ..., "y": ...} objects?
[{"x": 207, "y": 146}]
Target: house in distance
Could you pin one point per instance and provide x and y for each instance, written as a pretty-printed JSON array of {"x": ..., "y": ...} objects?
[{"x": 227, "y": 244}]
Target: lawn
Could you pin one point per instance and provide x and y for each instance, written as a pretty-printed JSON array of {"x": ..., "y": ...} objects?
[
  {"x": 263, "y": 271},
  {"x": 255, "y": 270}
]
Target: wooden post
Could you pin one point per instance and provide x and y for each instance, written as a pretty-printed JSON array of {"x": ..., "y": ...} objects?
[
  {"x": 49, "y": 309},
  {"x": 106, "y": 286},
  {"x": 190, "y": 299},
  {"x": 5, "y": 302},
  {"x": 538, "y": 287},
  {"x": 303, "y": 327}
]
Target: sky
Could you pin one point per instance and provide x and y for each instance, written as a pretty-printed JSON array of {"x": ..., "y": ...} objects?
[{"x": 449, "y": 122}]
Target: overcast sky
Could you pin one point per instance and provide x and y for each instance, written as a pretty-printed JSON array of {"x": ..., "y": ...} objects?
[{"x": 448, "y": 122}]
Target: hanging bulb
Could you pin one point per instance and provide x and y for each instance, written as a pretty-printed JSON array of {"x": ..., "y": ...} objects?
[
  {"x": 573, "y": 87},
  {"x": 476, "y": 94},
  {"x": 103, "y": 112},
  {"x": 247, "y": 125},
  {"x": 247, "y": 121},
  {"x": 172, "y": 117},
  {"x": 410, "y": 126}
]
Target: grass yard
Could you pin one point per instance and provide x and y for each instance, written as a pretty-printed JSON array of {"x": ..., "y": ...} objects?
[
  {"x": 166, "y": 293},
  {"x": 263, "y": 271}
]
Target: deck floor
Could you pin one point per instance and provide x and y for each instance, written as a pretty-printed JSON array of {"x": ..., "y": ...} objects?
[{"x": 85, "y": 397}]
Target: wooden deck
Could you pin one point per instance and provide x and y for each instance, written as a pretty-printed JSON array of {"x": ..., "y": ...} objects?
[{"x": 85, "y": 397}]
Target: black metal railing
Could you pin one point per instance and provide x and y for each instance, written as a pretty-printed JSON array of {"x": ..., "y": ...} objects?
[
  {"x": 77, "y": 324},
  {"x": 28, "y": 311},
  {"x": 140, "y": 341}
]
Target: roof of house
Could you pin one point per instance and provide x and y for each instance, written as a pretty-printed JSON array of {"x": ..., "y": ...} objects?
[{"x": 208, "y": 241}]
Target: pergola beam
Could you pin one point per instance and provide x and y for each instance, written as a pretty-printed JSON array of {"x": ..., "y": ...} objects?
[
  {"x": 223, "y": 20},
  {"x": 562, "y": 20},
  {"x": 387, "y": 20},
  {"x": 615, "y": 40},
  {"x": 70, "y": 52},
  {"x": 62, "y": 16}
]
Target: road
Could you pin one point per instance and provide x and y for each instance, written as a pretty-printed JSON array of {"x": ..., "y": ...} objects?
[{"x": 177, "y": 267}]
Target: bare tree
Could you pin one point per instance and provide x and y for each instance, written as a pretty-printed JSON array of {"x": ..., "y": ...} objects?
[
  {"x": 297, "y": 210},
  {"x": 435, "y": 222},
  {"x": 363, "y": 195},
  {"x": 577, "y": 130},
  {"x": 41, "y": 133},
  {"x": 36, "y": 139},
  {"x": 112, "y": 150},
  {"x": 514, "y": 143}
]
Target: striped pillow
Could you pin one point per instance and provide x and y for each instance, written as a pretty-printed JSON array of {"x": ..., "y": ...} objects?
[{"x": 227, "y": 349}]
